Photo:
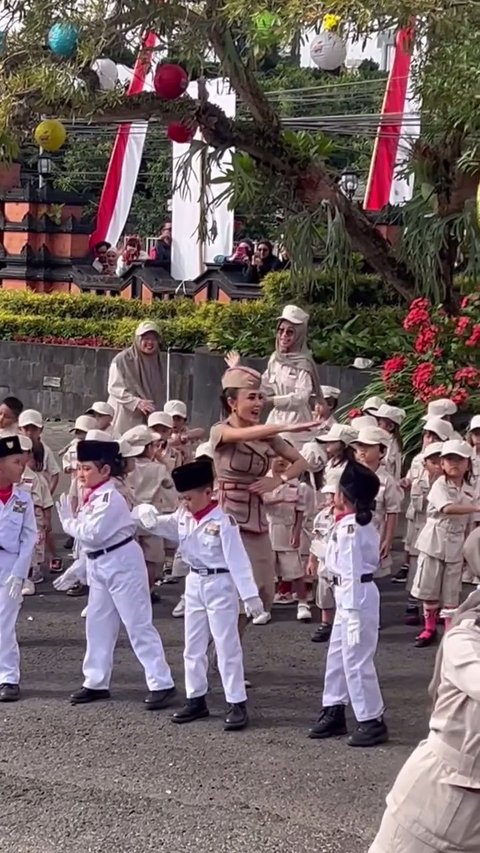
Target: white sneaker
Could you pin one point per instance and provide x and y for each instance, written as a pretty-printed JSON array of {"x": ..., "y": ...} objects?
[
  {"x": 28, "y": 587},
  {"x": 179, "y": 609},
  {"x": 263, "y": 619},
  {"x": 83, "y": 614},
  {"x": 304, "y": 614}
]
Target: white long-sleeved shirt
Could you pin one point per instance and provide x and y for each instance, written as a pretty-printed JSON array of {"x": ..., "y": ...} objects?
[
  {"x": 352, "y": 551},
  {"x": 103, "y": 521},
  {"x": 18, "y": 534}
]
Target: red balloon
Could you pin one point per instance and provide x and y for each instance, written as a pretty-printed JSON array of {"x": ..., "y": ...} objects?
[
  {"x": 170, "y": 81},
  {"x": 179, "y": 132}
]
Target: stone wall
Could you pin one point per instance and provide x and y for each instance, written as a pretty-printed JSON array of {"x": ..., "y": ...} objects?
[{"x": 63, "y": 381}]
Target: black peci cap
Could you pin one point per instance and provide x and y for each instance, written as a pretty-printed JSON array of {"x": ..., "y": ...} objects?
[
  {"x": 10, "y": 446},
  {"x": 193, "y": 475},
  {"x": 359, "y": 483},
  {"x": 96, "y": 451}
]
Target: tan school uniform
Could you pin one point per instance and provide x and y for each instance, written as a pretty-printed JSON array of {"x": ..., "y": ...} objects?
[
  {"x": 36, "y": 485},
  {"x": 393, "y": 459},
  {"x": 472, "y": 544},
  {"x": 150, "y": 482},
  {"x": 388, "y": 502},
  {"x": 414, "y": 473},
  {"x": 315, "y": 456},
  {"x": 440, "y": 545},
  {"x": 416, "y": 516},
  {"x": 323, "y": 525},
  {"x": 281, "y": 507},
  {"x": 293, "y": 392},
  {"x": 433, "y": 806}
]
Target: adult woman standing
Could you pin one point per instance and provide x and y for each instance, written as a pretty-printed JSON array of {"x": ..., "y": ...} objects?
[
  {"x": 243, "y": 449},
  {"x": 136, "y": 385}
]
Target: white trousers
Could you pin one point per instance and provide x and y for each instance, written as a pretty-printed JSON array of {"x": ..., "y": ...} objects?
[
  {"x": 211, "y": 606},
  {"x": 9, "y": 651},
  {"x": 350, "y": 674},
  {"x": 121, "y": 595}
]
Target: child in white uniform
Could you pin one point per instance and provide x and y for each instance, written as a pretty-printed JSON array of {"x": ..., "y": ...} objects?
[
  {"x": 18, "y": 536},
  {"x": 220, "y": 572},
  {"x": 323, "y": 525},
  {"x": 352, "y": 556},
  {"x": 36, "y": 486},
  {"x": 116, "y": 575}
]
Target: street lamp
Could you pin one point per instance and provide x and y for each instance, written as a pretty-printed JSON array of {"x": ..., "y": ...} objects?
[
  {"x": 45, "y": 168},
  {"x": 349, "y": 182}
]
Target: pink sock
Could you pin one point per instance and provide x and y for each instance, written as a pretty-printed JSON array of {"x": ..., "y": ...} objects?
[{"x": 430, "y": 617}]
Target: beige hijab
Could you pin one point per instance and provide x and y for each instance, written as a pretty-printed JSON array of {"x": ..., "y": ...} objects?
[
  {"x": 142, "y": 374},
  {"x": 470, "y": 609},
  {"x": 299, "y": 356}
]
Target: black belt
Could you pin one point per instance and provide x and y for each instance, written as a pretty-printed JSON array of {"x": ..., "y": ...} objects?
[
  {"x": 337, "y": 581},
  {"x": 203, "y": 572},
  {"x": 92, "y": 555}
]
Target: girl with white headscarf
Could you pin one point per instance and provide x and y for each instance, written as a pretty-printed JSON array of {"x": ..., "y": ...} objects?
[{"x": 136, "y": 383}]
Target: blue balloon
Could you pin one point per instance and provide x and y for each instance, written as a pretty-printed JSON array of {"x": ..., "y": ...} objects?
[{"x": 63, "y": 39}]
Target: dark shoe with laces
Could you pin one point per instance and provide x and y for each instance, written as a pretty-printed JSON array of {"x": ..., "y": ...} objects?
[
  {"x": 426, "y": 638},
  {"x": 236, "y": 717},
  {"x": 9, "y": 692},
  {"x": 157, "y": 699},
  {"x": 401, "y": 576},
  {"x": 369, "y": 733},
  {"x": 86, "y": 695},
  {"x": 322, "y": 634},
  {"x": 194, "y": 709},
  {"x": 331, "y": 723}
]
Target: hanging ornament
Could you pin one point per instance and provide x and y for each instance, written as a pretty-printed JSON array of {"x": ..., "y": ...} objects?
[
  {"x": 63, "y": 39},
  {"x": 328, "y": 51},
  {"x": 50, "y": 134},
  {"x": 170, "y": 81},
  {"x": 107, "y": 73},
  {"x": 179, "y": 132}
]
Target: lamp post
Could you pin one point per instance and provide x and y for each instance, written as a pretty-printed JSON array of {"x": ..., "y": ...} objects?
[
  {"x": 45, "y": 168},
  {"x": 349, "y": 182}
]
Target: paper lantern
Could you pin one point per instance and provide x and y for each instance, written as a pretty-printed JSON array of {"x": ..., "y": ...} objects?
[
  {"x": 50, "y": 134},
  {"x": 63, "y": 39},
  {"x": 170, "y": 81},
  {"x": 179, "y": 132},
  {"x": 107, "y": 73},
  {"x": 328, "y": 51}
]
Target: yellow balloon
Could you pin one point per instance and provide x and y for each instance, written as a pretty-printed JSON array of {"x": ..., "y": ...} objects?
[{"x": 50, "y": 134}]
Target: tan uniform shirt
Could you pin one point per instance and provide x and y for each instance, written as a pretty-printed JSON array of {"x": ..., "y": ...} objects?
[
  {"x": 393, "y": 459},
  {"x": 293, "y": 391},
  {"x": 388, "y": 500},
  {"x": 152, "y": 484},
  {"x": 442, "y": 536},
  {"x": 282, "y": 506},
  {"x": 36, "y": 485}
]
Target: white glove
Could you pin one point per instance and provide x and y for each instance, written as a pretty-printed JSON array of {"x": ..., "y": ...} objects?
[
  {"x": 253, "y": 606},
  {"x": 76, "y": 572},
  {"x": 64, "y": 508},
  {"x": 14, "y": 586},
  {"x": 353, "y": 628},
  {"x": 146, "y": 516}
]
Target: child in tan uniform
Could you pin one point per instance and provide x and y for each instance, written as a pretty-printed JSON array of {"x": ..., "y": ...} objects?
[
  {"x": 183, "y": 438},
  {"x": 323, "y": 525},
  {"x": 390, "y": 418}
]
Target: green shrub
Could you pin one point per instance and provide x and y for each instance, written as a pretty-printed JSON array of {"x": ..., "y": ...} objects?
[{"x": 279, "y": 288}]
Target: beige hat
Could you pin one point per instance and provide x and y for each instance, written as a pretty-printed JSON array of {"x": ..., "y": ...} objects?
[
  {"x": 84, "y": 423},
  {"x": 439, "y": 427},
  {"x": 362, "y": 363},
  {"x": 392, "y": 413},
  {"x": 330, "y": 391},
  {"x": 433, "y": 449},
  {"x": 100, "y": 408},
  {"x": 140, "y": 434},
  {"x": 128, "y": 451},
  {"x": 100, "y": 435},
  {"x": 363, "y": 421},
  {"x": 372, "y": 404},
  {"x": 474, "y": 423},
  {"x": 294, "y": 315},
  {"x": 457, "y": 448},
  {"x": 339, "y": 432},
  {"x": 160, "y": 419},
  {"x": 175, "y": 407},
  {"x": 440, "y": 409},
  {"x": 204, "y": 449},
  {"x": 372, "y": 435},
  {"x": 25, "y": 443},
  {"x": 242, "y": 377},
  {"x": 328, "y": 489},
  {"x": 30, "y": 417},
  {"x": 146, "y": 326}
]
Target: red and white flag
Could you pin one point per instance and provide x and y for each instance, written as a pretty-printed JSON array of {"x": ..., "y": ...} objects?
[
  {"x": 386, "y": 183},
  {"x": 124, "y": 165}
]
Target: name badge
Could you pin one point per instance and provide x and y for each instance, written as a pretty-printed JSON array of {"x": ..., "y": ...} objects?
[
  {"x": 19, "y": 506},
  {"x": 212, "y": 529}
]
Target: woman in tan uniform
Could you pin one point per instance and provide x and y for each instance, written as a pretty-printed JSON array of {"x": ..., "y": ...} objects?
[
  {"x": 243, "y": 449},
  {"x": 433, "y": 806}
]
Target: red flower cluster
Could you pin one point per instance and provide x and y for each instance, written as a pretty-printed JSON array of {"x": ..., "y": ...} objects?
[
  {"x": 469, "y": 375},
  {"x": 392, "y": 366},
  {"x": 460, "y": 396},
  {"x": 422, "y": 376},
  {"x": 474, "y": 339},
  {"x": 426, "y": 339},
  {"x": 58, "y": 341},
  {"x": 418, "y": 315},
  {"x": 438, "y": 392},
  {"x": 462, "y": 325},
  {"x": 354, "y": 413}
]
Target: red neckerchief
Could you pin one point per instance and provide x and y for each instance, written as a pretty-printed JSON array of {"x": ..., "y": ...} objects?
[
  {"x": 6, "y": 494},
  {"x": 340, "y": 515},
  {"x": 202, "y": 512},
  {"x": 89, "y": 492}
]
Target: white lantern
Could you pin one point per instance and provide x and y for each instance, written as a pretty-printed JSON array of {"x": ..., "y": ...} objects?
[
  {"x": 328, "y": 51},
  {"x": 106, "y": 71}
]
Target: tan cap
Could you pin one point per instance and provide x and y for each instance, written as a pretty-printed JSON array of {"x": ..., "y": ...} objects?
[
  {"x": 440, "y": 408},
  {"x": 140, "y": 434},
  {"x": 128, "y": 451},
  {"x": 372, "y": 435},
  {"x": 330, "y": 391},
  {"x": 84, "y": 423},
  {"x": 146, "y": 326},
  {"x": 474, "y": 423},
  {"x": 339, "y": 432},
  {"x": 372, "y": 404},
  {"x": 392, "y": 413},
  {"x": 204, "y": 449},
  {"x": 175, "y": 407},
  {"x": 439, "y": 427},
  {"x": 242, "y": 377},
  {"x": 432, "y": 449},
  {"x": 328, "y": 489},
  {"x": 25, "y": 443},
  {"x": 101, "y": 408},
  {"x": 160, "y": 419},
  {"x": 363, "y": 421},
  {"x": 99, "y": 435},
  {"x": 30, "y": 417},
  {"x": 457, "y": 448},
  {"x": 295, "y": 315}
]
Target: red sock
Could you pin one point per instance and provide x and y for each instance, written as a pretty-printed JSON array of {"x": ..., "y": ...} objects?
[
  {"x": 284, "y": 587},
  {"x": 430, "y": 617}
]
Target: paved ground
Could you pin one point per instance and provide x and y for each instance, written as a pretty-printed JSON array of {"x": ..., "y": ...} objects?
[{"x": 114, "y": 777}]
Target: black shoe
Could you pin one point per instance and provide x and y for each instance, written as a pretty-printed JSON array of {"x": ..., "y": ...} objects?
[
  {"x": 85, "y": 695},
  {"x": 401, "y": 576},
  {"x": 69, "y": 543},
  {"x": 154, "y": 597},
  {"x": 157, "y": 699},
  {"x": 194, "y": 709},
  {"x": 370, "y": 733},
  {"x": 426, "y": 638},
  {"x": 331, "y": 723},
  {"x": 77, "y": 590},
  {"x": 236, "y": 717},
  {"x": 9, "y": 693},
  {"x": 322, "y": 634}
]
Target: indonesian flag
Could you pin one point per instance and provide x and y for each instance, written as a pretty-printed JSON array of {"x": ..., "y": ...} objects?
[
  {"x": 124, "y": 165},
  {"x": 399, "y": 126}
]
